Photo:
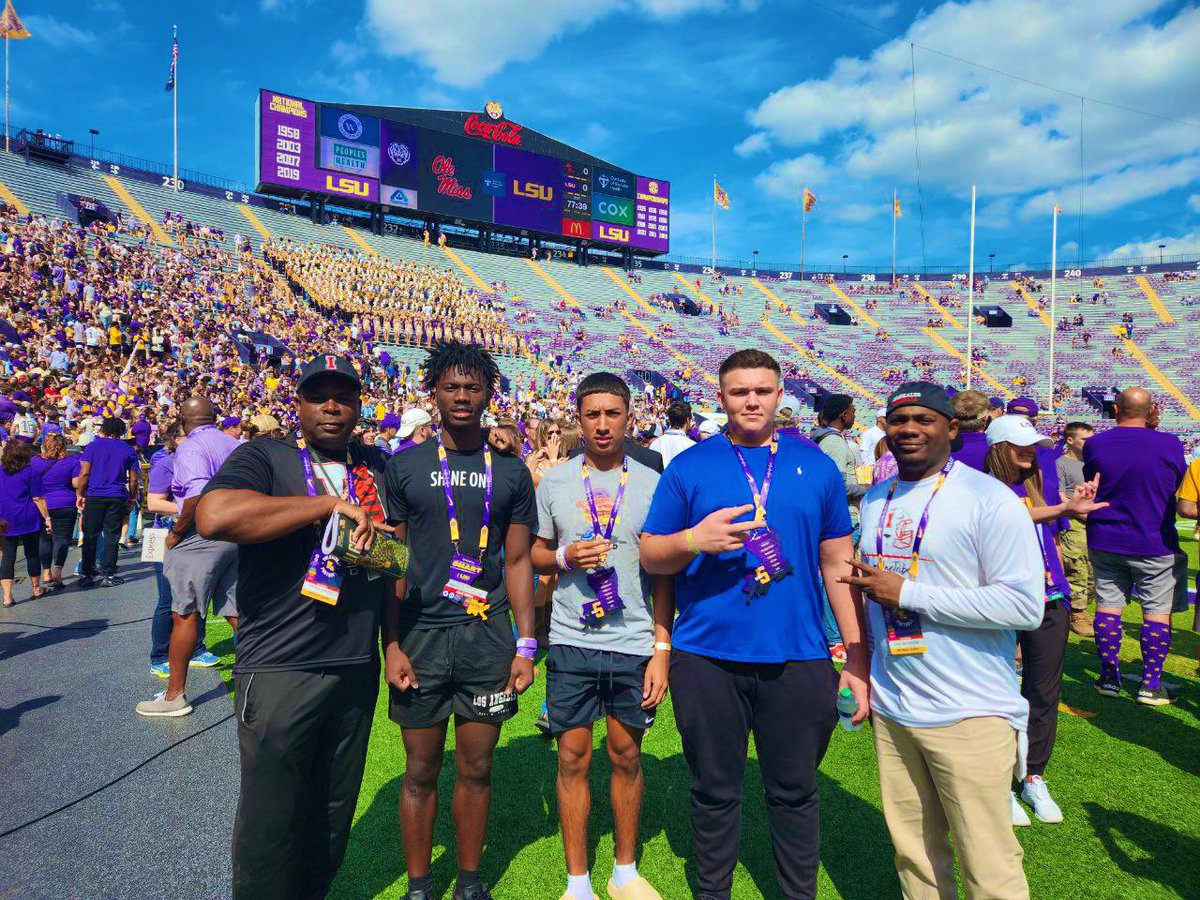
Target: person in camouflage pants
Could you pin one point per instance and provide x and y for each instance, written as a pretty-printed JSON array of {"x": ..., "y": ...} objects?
[{"x": 1072, "y": 543}]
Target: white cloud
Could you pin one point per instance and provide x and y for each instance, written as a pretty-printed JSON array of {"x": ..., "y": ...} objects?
[
  {"x": 755, "y": 143},
  {"x": 1010, "y": 137},
  {"x": 464, "y": 46},
  {"x": 1193, "y": 203},
  {"x": 60, "y": 35},
  {"x": 1116, "y": 189},
  {"x": 855, "y": 213},
  {"x": 787, "y": 178},
  {"x": 1180, "y": 245}
]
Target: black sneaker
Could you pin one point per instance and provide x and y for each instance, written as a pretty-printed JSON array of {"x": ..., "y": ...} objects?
[
  {"x": 476, "y": 891},
  {"x": 1108, "y": 686},
  {"x": 86, "y": 581},
  {"x": 1160, "y": 696},
  {"x": 112, "y": 580},
  {"x": 418, "y": 895}
]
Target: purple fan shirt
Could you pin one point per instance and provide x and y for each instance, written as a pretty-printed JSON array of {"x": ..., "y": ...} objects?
[
  {"x": 198, "y": 459},
  {"x": 1140, "y": 471}
]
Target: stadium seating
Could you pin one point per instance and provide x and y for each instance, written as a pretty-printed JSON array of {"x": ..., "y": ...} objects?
[{"x": 578, "y": 319}]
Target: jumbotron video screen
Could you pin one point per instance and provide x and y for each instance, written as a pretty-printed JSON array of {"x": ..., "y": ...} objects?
[{"x": 479, "y": 172}]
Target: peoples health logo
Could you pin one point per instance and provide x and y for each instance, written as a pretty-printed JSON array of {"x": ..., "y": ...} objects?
[
  {"x": 399, "y": 153},
  {"x": 350, "y": 126}
]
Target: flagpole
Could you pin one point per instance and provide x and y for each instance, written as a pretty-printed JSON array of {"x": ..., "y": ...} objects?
[
  {"x": 1053, "y": 289},
  {"x": 894, "y": 237},
  {"x": 803, "y": 223},
  {"x": 5, "y": 90},
  {"x": 175, "y": 113},
  {"x": 714, "y": 224},
  {"x": 971, "y": 296}
]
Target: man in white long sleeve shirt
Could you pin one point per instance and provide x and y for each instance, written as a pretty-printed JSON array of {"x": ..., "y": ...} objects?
[{"x": 951, "y": 570}]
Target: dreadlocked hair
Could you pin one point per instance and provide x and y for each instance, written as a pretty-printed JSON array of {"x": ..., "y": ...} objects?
[{"x": 448, "y": 355}]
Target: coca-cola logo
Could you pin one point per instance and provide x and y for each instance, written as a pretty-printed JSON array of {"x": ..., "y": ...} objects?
[
  {"x": 443, "y": 168},
  {"x": 498, "y": 132}
]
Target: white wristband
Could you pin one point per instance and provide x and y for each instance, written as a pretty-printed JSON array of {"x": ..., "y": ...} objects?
[{"x": 560, "y": 557}]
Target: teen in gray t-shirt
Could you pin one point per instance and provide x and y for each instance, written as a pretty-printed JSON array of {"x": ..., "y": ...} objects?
[
  {"x": 563, "y": 517},
  {"x": 1070, "y": 474}
]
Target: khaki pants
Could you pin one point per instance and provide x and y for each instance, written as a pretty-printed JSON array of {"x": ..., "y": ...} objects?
[
  {"x": 951, "y": 781},
  {"x": 1072, "y": 545}
]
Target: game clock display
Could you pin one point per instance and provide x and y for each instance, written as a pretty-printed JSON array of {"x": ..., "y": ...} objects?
[{"x": 477, "y": 175}]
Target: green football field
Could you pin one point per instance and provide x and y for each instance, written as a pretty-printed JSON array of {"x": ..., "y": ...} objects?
[{"x": 1125, "y": 776}]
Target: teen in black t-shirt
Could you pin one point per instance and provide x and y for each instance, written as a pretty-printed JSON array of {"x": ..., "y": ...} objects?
[
  {"x": 449, "y": 646},
  {"x": 307, "y": 669}
]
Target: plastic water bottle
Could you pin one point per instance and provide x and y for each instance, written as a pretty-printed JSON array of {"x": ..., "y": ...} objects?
[{"x": 847, "y": 706}]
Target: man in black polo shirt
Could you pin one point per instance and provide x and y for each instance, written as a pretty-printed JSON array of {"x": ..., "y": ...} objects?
[
  {"x": 307, "y": 670},
  {"x": 449, "y": 645}
]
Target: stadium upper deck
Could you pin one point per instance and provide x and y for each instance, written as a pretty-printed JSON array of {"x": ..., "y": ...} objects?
[{"x": 1122, "y": 328}]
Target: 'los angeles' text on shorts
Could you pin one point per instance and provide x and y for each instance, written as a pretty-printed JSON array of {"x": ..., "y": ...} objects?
[{"x": 462, "y": 670}]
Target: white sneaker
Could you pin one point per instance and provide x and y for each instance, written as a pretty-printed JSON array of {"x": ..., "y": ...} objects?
[
  {"x": 1037, "y": 795},
  {"x": 1019, "y": 816}
]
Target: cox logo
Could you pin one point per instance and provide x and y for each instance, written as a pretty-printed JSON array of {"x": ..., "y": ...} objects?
[
  {"x": 615, "y": 208},
  {"x": 350, "y": 126},
  {"x": 399, "y": 153}
]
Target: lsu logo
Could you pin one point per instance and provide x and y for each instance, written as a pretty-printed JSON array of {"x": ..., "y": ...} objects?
[
  {"x": 533, "y": 190},
  {"x": 355, "y": 187},
  {"x": 613, "y": 233}
]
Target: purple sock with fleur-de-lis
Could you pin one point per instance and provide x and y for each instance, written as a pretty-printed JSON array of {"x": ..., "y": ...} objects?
[
  {"x": 1108, "y": 644},
  {"x": 1156, "y": 642}
]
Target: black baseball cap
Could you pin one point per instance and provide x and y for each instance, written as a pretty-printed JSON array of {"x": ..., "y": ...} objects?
[
  {"x": 329, "y": 364},
  {"x": 921, "y": 393}
]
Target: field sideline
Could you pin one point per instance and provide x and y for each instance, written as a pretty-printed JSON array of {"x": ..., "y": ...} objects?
[{"x": 1125, "y": 775}]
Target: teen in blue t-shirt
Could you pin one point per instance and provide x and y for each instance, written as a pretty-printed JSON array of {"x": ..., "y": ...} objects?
[
  {"x": 806, "y": 505},
  {"x": 749, "y": 651}
]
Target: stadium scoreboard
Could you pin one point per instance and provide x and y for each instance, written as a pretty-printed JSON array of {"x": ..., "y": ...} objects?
[{"x": 476, "y": 167}]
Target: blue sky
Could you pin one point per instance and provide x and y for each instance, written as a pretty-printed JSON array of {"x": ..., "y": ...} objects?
[{"x": 770, "y": 96}]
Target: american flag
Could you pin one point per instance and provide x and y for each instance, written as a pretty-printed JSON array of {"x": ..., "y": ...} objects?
[{"x": 174, "y": 63}]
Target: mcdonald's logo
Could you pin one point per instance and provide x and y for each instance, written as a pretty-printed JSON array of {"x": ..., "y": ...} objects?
[{"x": 575, "y": 228}]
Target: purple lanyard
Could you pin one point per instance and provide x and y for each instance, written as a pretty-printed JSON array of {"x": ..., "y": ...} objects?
[
  {"x": 452, "y": 510},
  {"x": 915, "y": 562},
  {"x": 760, "y": 497},
  {"x": 614, "y": 514},
  {"x": 310, "y": 481}
]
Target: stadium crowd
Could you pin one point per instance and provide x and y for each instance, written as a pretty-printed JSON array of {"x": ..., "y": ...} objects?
[{"x": 934, "y": 555}]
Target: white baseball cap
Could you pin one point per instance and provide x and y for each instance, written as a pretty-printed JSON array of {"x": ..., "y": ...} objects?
[
  {"x": 1016, "y": 430},
  {"x": 708, "y": 426},
  {"x": 412, "y": 420},
  {"x": 881, "y": 413}
]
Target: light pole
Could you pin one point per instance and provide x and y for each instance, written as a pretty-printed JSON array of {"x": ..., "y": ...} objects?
[
  {"x": 991, "y": 262},
  {"x": 93, "y": 132},
  {"x": 1161, "y": 248},
  {"x": 755, "y": 253},
  {"x": 845, "y": 256}
]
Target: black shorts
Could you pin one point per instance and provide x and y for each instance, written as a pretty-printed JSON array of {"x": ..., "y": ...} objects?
[
  {"x": 462, "y": 670},
  {"x": 583, "y": 686}
]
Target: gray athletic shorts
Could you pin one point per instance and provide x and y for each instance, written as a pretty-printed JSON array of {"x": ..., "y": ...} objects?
[
  {"x": 199, "y": 571},
  {"x": 1117, "y": 574}
]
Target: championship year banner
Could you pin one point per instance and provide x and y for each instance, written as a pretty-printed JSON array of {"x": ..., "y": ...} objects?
[{"x": 289, "y": 150}]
